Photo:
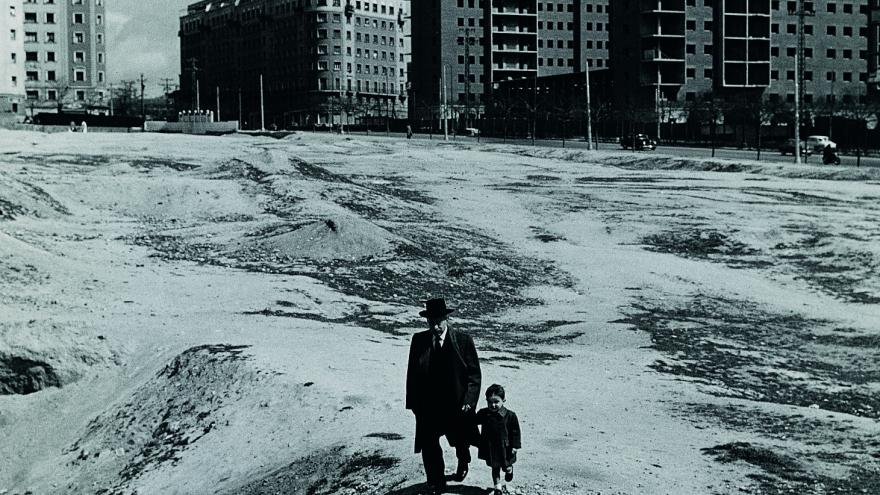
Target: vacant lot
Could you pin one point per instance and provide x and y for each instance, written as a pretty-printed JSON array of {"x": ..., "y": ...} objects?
[{"x": 232, "y": 315}]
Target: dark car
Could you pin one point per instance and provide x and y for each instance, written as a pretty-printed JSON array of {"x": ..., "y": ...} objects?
[
  {"x": 788, "y": 147},
  {"x": 638, "y": 142}
]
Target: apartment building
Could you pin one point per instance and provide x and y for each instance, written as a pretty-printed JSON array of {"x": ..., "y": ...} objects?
[
  {"x": 295, "y": 62},
  {"x": 12, "y": 93},
  {"x": 59, "y": 48},
  {"x": 674, "y": 50},
  {"x": 874, "y": 49},
  {"x": 465, "y": 46}
]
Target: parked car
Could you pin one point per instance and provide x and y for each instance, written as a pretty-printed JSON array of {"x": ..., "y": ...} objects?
[
  {"x": 638, "y": 142},
  {"x": 818, "y": 143},
  {"x": 472, "y": 131},
  {"x": 788, "y": 147}
]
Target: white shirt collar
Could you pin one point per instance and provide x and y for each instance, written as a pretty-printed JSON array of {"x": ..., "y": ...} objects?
[{"x": 443, "y": 335}]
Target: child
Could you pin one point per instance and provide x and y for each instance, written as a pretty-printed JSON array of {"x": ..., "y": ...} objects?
[{"x": 499, "y": 436}]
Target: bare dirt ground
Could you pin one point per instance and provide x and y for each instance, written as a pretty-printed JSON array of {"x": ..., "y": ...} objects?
[{"x": 231, "y": 315}]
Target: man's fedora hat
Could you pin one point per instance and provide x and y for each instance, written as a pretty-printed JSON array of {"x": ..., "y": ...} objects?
[{"x": 435, "y": 308}]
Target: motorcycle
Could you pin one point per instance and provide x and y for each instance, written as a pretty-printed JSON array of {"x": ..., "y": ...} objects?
[{"x": 829, "y": 157}]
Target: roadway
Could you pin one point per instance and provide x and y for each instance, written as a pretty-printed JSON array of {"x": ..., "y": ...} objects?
[{"x": 771, "y": 155}]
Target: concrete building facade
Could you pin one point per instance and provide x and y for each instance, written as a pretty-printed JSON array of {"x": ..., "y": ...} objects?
[
  {"x": 472, "y": 44},
  {"x": 12, "y": 92},
  {"x": 674, "y": 50},
  {"x": 303, "y": 62},
  {"x": 64, "y": 54}
]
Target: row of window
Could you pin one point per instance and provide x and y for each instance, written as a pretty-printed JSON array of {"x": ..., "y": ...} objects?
[
  {"x": 548, "y": 6},
  {"x": 830, "y": 30},
  {"x": 32, "y": 56},
  {"x": 691, "y": 73},
  {"x": 832, "y": 53},
  {"x": 323, "y": 65},
  {"x": 831, "y": 7},
  {"x": 377, "y": 87},
  {"x": 52, "y": 94},
  {"x": 49, "y": 18},
  {"x": 51, "y": 75},
  {"x": 33, "y": 37}
]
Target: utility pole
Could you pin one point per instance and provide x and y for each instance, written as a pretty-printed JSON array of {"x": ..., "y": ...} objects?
[
  {"x": 445, "y": 95},
  {"x": 799, "y": 77},
  {"x": 262, "y": 108},
  {"x": 217, "y": 92},
  {"x": 111, "y": 98},
  {"x": 166, "y": 88},
  {"x": 589, "y": 110},
  {"x": 143, "y": 113}
]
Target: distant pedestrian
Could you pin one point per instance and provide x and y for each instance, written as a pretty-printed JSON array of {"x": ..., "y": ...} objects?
[
  {"x": 442, "y": 390},
  {"x": 85, "y": 128},
  {"x": 499, "y": 436},
  {"x": 72, "y": 127},
  {"x": 409, "y": 132}
]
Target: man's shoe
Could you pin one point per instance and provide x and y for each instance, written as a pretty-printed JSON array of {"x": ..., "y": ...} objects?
[
  {"x": 460, "y": 473},
  {"x": 508, "y": 475}
]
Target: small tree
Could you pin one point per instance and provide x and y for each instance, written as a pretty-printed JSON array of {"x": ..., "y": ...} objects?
[
  {"x": 706, "y": 108},
  {"x": 861, "y": 112}
]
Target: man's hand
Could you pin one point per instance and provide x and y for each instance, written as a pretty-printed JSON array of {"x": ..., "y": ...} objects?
[{"x": 465, "y": 408}]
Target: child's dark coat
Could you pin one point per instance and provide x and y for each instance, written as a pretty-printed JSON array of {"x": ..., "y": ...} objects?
[{"x": 500, "y": 434}]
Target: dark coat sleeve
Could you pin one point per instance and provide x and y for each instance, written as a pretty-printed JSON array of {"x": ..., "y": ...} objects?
[
  {"x": 472, "y": 362},
  {"x": 412, "y": 385},
  {"x": 513, "y": 435}
]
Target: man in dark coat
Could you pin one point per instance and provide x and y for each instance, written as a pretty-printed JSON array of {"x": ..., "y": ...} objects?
[{"x": 442, "y": 390}]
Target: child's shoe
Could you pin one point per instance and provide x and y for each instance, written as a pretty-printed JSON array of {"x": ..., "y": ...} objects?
[{"x": 508, "y": 474}]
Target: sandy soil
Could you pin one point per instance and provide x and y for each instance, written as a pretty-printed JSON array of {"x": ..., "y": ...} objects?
[{"x": 196, "y": 315}]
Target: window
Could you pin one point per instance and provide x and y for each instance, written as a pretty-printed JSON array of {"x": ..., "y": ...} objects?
[
  {"x": 79, "y": 75},
  {"x": 78, "y": 18},
  {"x": 79, "y": 37},
  {"x": 100, "y": 39},
  {"x": 50, "y": 56},
  {"x": 30, "y": 37},
  {"x": 33, "y": 94},
  {"x": 831, "y": 53},
  {"x": 31, "y": 57},
  {"x": 79, "y": 57},
  {"x": 51, "y": 95},
  {"x": 14, "y": 81},
  {"x": 32, "y": 75},
  {"x": 50, "y": 75},
  {"x": 80, "y": 95},
  {"x": 50, "y": 37},
  {"x": 30, "y": 17}
]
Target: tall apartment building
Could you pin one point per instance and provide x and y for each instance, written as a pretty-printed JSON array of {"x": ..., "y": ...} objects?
[
  {"x": 676, "y": 49},
  {"x": 57, "y": 54},
  {"x": 304, "y": 62},
  {"x": 874, "y": 49},
  {"x": 12, "y": 69},
  {"x": 471, "y": 44}
]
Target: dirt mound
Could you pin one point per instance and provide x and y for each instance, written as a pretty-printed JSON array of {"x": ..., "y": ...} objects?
[
  {"x": 327, "y": 472},
  {"x": 19, "y": 198},
  {"x": 36, "y": 356},
  {"x": 163, "y": 417},
  {"x": 341, "y": 237}
]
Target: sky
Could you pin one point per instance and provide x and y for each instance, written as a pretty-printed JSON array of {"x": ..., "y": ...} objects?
[{"x": 142, "y": 38}]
